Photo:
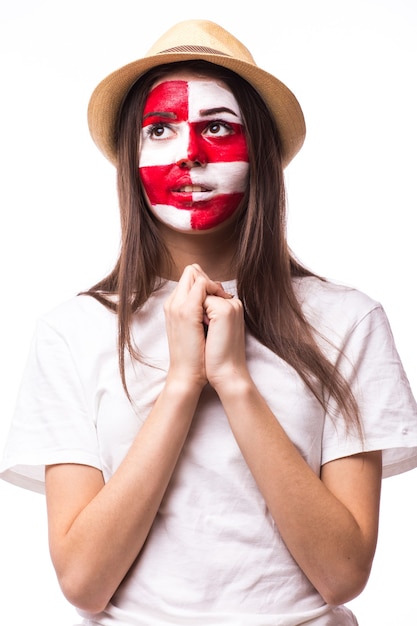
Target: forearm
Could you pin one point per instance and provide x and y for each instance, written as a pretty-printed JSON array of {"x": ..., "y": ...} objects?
[
  {"x": 321, "y": 533},
  {"x": 96, "y": 549}
]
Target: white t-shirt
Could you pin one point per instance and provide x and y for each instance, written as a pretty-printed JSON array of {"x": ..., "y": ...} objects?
[{"x": 214, "y": 555}]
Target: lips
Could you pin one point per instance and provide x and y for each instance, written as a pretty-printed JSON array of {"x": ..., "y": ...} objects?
[
  {"x": 190, "y": 196},
  {"x": 191, "y": 189}
]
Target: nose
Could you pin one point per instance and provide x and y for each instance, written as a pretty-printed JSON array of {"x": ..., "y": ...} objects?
[
  {"x": 196, "y": 154},
  {"x": 189, "y": 163}
]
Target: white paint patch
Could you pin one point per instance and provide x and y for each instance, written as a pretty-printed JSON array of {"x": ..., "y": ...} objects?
[
  {"x": 221, "y": 178},
  {"x": 165, "y": 151},
  {"x": 177, "y": 218},
  {"x": 206, "y": 95}
]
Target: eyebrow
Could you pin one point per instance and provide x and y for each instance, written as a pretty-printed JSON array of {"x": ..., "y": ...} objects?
[
  {"x": 203, "y": 112},
  {"x": 159, "y": 114},
  {"x": 217, "y": 110}
]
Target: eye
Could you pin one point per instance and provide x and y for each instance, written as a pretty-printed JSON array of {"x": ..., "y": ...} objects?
[
  {"x": 159, "y": 130},
  {"x": 218, "y": 129}
]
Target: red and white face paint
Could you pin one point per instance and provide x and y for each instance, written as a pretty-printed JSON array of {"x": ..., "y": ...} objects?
[{"x": 193, "y": 159}]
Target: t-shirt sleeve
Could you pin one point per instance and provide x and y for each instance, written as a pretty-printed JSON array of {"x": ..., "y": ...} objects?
[
  {"x": 51, "y": 423},
  {"x": 388, "y": 409}
]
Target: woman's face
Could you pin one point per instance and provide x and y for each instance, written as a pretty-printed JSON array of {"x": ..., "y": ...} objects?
[{"x": 193, "y": 158}]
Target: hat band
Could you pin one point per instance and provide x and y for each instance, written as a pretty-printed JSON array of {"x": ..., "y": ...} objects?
[{"x": 202, "y": 49}]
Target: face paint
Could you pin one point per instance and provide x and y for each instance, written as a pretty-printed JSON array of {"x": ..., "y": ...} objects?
[{"x": 193, "y": 155}]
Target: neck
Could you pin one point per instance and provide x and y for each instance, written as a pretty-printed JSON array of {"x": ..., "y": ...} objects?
[{"x": 213, "y": 251}]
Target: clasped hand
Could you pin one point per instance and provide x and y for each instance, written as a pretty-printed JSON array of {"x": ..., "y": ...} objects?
[{"x": 206, "y": 331}]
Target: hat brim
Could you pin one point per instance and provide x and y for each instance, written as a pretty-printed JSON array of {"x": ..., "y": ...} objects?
[{"x": 108, "y": 96}]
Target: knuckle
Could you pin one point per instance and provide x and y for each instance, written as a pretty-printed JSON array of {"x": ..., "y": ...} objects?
[{"x": 237, "y": 304}]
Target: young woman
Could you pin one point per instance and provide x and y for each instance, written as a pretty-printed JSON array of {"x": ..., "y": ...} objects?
[{"x": 214, "y": 419}]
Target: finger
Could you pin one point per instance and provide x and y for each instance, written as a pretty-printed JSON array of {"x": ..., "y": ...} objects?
[
  {"x": 213, "y": 303},
  {"x": 213, "y": 287}
]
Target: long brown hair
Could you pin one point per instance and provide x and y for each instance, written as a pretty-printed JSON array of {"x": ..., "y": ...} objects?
[{"x": 265, "y": 266}]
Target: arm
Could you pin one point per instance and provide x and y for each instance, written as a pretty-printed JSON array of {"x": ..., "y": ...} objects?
[
  {"x": 97, "y": 530},
  {"x": 329, "y": 523}
]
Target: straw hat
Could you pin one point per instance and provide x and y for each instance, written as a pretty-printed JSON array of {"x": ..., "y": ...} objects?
[{"x": 195, "y": 39}]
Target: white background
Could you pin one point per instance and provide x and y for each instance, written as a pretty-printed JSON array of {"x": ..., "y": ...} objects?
[{"x": 352, "y": 200}]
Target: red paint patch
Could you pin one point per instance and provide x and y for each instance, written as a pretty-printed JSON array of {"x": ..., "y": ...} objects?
[
  {"x": 168, "y": 97},
  {"x": 216, "y": 212},
  {"x": 160, "y": 181},
  {"x": 228, "y": 148}
]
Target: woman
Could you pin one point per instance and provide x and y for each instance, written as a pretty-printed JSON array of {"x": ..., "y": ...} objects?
[{"x": 213, "y": 418}]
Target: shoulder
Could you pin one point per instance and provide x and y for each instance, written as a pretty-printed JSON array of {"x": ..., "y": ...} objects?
[
  {"x": 80, "y": 319},
  {"x": 333, "y": 307},
  {"x": 80, "y": 308},
  {"x": 315, "y": 291},
  {"x": 84, "y": 320}
]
